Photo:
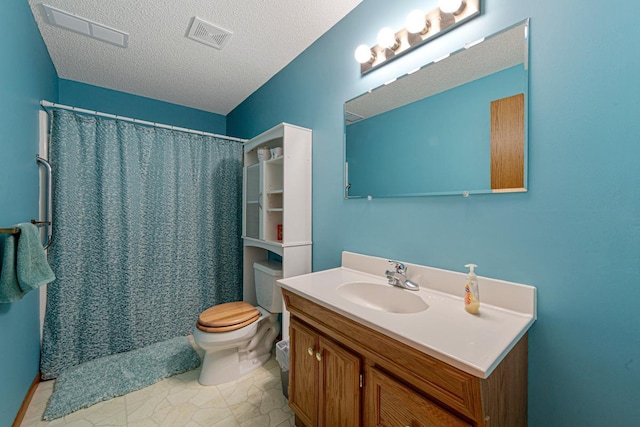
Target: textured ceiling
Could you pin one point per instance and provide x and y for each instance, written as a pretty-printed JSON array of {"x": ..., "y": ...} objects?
[{"x": 160, "y": 62}]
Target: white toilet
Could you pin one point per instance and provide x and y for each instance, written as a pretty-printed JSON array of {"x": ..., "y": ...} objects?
[{"x": 237, "y": 337}]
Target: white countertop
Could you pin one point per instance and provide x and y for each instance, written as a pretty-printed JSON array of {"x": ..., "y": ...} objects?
[{"x": 475, "y": 344}]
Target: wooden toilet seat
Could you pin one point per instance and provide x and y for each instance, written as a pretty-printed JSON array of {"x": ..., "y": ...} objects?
[{"x": 227, "y": 317}]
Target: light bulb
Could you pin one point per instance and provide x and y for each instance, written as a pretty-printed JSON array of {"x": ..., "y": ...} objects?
[
  {"x": 363, "y": 54},
  {"x": 416, "y": 22},
  {"x": 451, "y": 6},
  {"x": 387, "y": 38}
]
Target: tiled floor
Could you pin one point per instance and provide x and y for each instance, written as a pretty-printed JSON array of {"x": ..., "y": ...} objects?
[{"x": 254, "y": 400}]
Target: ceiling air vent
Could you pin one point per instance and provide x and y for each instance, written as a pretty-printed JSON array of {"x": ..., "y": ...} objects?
[
  {"x": 209, "y": 34},
  {"x": 87, "y": 27}
]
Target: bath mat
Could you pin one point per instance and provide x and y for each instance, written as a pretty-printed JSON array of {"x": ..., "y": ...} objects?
[{"x": 112, "y": 376}]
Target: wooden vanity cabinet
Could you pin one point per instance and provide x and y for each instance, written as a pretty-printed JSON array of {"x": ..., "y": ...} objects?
[
  {"x": 401, "y": 386},
  {"x": 324, "y": 384},
  {"x": 391, "y": 403}
]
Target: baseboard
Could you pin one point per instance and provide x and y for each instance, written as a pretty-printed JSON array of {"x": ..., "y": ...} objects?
[{"x": 27, "y": 400}]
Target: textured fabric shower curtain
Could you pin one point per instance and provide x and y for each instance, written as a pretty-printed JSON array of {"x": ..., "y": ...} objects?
[{"x": 147, "y": 226}]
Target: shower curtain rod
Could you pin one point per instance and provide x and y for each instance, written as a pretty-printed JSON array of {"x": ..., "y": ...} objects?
[{"x": 48, "y": 104}]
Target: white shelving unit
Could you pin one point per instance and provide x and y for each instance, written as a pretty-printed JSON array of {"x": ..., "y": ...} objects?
[{"x": 277, "y": 195}]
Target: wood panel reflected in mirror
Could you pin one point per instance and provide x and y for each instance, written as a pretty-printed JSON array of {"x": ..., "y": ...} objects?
[
  {"x": 455, "y": 126},
  {"x": 507, "y": 143}
]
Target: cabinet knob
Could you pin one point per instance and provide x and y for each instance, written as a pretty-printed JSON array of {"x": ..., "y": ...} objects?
[
  {"x": 318, "y": 356},
  {"x": 310, "y": 351}
]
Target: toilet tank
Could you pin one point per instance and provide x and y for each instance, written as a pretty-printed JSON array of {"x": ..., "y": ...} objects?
[{"x": 267, "y": 290}]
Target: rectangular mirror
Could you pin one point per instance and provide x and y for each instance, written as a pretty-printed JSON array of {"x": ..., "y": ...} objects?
[{"x": 455, "y": 126}]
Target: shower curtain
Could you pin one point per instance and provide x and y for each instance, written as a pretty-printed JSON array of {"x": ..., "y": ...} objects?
[{"x": 147, "y": 226}]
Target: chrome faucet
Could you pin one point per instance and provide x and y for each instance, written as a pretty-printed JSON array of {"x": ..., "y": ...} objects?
[{"x": 398, "y": 277}]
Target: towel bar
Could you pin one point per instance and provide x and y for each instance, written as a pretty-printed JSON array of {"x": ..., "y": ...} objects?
[
  {"x": 12, "y": 230},
  {"x": 16, "y": 230}
]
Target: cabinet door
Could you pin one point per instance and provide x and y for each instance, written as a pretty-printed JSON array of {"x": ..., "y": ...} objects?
[
  {"x": 252, "y": 200},
  {"x": 303, "y": 372},
  {"x": 339, "y": 386},
  {"x": 391, "y": 403}
]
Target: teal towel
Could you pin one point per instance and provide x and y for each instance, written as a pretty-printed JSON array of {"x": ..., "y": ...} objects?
[
  {"x": 10, "y": 290},
  {"x": 31, "y": 264}
]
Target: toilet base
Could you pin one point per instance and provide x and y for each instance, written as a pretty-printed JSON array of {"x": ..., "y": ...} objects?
[
  {"x": 219, "y": 367},
  {"x": 223, "y": 366},
  {"x": 247, "y": 366}
]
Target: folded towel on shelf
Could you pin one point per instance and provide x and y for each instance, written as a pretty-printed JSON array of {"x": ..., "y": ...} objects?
[
  {"x": 31, "y": 264},
  {"x": 10, "y": 290}
]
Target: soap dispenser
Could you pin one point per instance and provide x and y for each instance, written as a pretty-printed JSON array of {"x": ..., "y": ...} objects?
[{"x": 471, "y": 295}]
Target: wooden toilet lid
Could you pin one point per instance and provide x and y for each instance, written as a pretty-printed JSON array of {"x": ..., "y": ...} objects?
[{"x": 227, "y": 317}]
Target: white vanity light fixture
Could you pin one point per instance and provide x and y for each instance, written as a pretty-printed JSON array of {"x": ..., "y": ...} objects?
[
  {"x": 387, "y": 39},
  {"x": 454, "y": 7},
  {"x": 419, "y": 28},
  {"x": 364, "y": 54},
  {"x": 417, "y": 22}
]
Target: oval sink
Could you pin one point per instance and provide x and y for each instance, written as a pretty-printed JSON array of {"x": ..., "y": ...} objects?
[{"x": 382, "y": 297}]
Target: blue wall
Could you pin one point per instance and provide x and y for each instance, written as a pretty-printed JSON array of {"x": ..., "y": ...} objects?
[
  {"x": 576, "y": 233},
  {"x": 423, "y": 148},
  {"x": 96, "y": 98},
  {"x": 27, "y": 76}
]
